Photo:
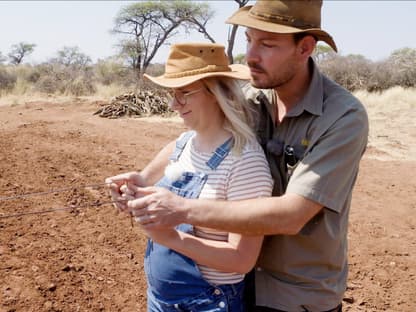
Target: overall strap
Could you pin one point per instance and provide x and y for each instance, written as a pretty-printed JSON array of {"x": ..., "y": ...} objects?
[
  {"x": 220, "y": 153},
  {"x": 180, "y": 145}
]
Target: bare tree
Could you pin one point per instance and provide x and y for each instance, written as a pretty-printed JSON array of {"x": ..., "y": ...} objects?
[
  {"x": 19, "y": 51},
  {"x": 404, "y": 63},
  {"x": 233, "y": 33},
  {"x": 148, "y": 25}
]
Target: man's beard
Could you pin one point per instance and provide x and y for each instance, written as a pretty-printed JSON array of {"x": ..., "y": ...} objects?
[{"x": 271, "y": 82}]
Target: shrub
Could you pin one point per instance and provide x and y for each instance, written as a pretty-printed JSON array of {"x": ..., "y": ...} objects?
[
  {"x": 380, "y": 78},
  {"x": 49, "y": 85},
  {"x": 404, "y": 63},
  {"x": 155, "y": 69},
  {"x": 50, "y": 79},
  {"x": 7, "y": 79},
  {"x": 352, "y": 71},
  {"x": 80, "y": 86},
  {"x": 111, "y": 71}
]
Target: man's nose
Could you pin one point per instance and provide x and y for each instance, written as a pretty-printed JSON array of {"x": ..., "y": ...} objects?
[{"x": 251, "y": 53}]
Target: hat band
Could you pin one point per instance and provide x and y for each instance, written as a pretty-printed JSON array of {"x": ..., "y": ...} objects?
[
  {"x": 281, "y": 19},
  {"x": 206, "y": 69}
]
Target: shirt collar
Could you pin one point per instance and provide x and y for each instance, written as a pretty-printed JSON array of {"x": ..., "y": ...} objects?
[{"x": 313, "y": 100}]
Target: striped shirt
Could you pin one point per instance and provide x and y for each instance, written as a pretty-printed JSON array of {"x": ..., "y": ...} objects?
[{"x": 237, "y": 177}]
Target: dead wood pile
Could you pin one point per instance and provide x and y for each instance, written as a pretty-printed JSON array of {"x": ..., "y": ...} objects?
[{"x": 142, "y": 103}]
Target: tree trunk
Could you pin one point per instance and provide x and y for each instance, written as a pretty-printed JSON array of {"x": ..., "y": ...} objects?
[{"x": 231, "y": 39}]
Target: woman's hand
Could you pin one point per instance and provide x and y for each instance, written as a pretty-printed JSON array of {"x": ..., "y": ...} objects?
[
  {"x": 160, "y": 236},
  {"x": 120, "y": 188},
  {"x": 157, "y": 208}
]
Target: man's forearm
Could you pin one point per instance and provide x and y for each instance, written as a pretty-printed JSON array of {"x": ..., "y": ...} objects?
[{"x": 286, "y": 214}]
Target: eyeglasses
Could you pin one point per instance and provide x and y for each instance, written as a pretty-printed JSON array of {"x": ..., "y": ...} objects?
[{"x": 181, "y": 97}]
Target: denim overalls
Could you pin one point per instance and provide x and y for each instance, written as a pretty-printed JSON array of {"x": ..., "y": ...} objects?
[{"x": 174, "y": 280}]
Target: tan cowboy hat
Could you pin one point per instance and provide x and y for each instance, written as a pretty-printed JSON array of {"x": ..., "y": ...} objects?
[
  {"x": 189, "y": 62},
  {"x": 284, "y": 16}
]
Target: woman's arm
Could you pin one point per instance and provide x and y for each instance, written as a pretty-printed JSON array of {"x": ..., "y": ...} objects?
[
  {"x": 238, "y": 254},
  {"x": 249, "y": 177}
]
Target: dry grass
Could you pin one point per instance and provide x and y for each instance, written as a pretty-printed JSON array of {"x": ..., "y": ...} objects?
[
  {"x": 23, "y": 94},
  {"x": 392, "y": 116}
]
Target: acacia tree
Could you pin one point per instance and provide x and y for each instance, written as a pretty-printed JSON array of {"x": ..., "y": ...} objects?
[
  {"x": 72, "y": 57},
  {"x": 131, "y": 51},
  {"x": 19, "y": 51},
  {"x": 198, "y": 21},
  {"x": 233, "y": 33},
  {"x": 148, "y": 25},
  {"x": 322, "y": 53}
]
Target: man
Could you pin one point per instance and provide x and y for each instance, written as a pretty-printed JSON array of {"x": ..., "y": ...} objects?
[{"x": 314, "y": 133}]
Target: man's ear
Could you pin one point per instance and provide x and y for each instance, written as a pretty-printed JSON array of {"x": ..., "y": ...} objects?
[{"x": 307, "y": 45}]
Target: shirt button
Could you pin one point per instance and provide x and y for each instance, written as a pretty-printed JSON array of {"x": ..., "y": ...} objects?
[
  {"x": 221, "y": 304},
  {"x": 217, "y": 292}
]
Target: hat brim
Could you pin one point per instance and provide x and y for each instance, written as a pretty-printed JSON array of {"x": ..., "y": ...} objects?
[
  {"x": 238, "y": 71},
  {"x": 243, "y": 18}
]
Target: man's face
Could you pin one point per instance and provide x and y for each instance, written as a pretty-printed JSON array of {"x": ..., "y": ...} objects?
[{"x": 272, "y": 58}]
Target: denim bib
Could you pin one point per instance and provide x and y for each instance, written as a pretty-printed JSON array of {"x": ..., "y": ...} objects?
[{"x": 171, "y": 276}]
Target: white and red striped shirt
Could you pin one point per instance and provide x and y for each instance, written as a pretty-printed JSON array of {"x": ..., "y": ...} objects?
[{"x": 237, "y": 177}]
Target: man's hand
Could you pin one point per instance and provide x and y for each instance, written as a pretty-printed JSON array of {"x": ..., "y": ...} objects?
[
  {"x": 156, "y": 208},
  {"x": 120, "y": 188}
]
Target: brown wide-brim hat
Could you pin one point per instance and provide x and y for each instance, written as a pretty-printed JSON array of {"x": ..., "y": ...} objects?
[
  {"x": 284, "y": 17},
  {"x": 189, "y": 62}
]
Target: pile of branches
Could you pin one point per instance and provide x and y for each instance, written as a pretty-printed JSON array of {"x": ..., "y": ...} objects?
[{"x": 143, "y": 103}]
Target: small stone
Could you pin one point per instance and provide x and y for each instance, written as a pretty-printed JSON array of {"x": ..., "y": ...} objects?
[
  {"x": 348, "y": 299},
  {"x": 52, "y": 287}
]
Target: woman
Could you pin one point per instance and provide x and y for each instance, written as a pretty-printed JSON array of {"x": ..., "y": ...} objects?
[{"x": 193, "y": 268}]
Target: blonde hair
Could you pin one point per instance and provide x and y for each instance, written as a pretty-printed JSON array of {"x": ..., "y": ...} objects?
[{"x": 238, "y": 118}]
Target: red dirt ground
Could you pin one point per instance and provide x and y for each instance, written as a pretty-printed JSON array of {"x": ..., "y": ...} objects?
[{"x": 90, "y": 259}]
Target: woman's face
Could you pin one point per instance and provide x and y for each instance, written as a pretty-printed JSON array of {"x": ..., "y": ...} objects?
[{"x": 196, "y": 106}]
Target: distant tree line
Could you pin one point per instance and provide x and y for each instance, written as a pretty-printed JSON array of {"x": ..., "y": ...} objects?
[
  {"x": 143, "y": 27},
  {"x": 72, "y": 72},
  {"x": 355, "y": 72}
]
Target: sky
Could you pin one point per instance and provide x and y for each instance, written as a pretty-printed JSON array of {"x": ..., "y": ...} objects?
[{"x": 373, "y": 29}]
